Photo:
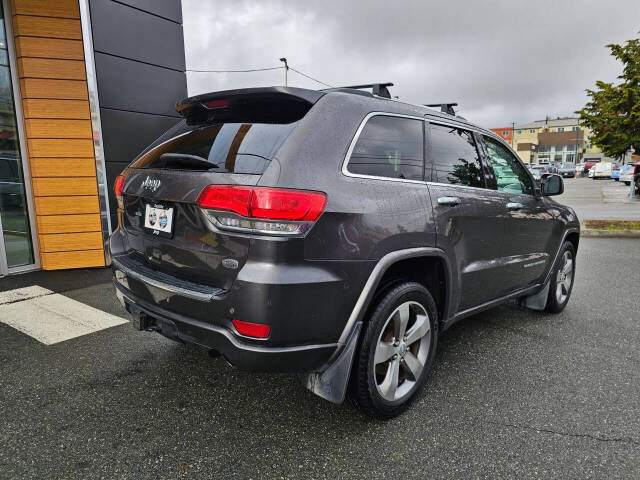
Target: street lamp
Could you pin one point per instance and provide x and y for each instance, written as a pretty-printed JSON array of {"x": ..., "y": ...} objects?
[{"x": 286, "y": 69}]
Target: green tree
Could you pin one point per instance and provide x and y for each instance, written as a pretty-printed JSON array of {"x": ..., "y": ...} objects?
[{"x": 613, "y": 113}]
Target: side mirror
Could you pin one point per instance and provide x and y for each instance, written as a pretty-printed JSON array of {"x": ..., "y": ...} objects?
[{"x": 552, "y": 184}]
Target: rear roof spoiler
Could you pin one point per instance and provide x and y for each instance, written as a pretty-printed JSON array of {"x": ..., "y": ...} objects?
[{"x": 264, "y": 104}]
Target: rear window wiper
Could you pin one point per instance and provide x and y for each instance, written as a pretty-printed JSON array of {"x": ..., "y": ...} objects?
[{"x": 184, "y": 161}]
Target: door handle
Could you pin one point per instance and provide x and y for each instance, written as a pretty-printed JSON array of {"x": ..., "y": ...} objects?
[
  {"x": 451, "y": 201},
  {"x": 514, "y": 206}
]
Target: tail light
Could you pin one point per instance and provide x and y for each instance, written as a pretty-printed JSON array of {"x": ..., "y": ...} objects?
[
  {"x": 260, "y": 209},
  {"x": 118, "y": 187}
]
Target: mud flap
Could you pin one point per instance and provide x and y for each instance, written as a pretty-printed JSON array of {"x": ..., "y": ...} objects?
[
  {"x": 332, "y": 383},
  {"x": 537, "y": 301}
]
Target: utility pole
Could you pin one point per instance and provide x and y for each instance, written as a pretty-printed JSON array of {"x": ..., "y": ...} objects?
[
  {"x": 513, "y": 132},
  {"x": 577, "y": 156},
  {"x": 286, "y": 69}
]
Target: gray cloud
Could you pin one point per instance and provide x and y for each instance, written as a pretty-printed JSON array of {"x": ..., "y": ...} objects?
[{"x": 503, "y": 61}]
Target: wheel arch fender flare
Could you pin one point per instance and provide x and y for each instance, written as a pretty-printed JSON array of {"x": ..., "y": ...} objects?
[{"x": 331, "y": 382}]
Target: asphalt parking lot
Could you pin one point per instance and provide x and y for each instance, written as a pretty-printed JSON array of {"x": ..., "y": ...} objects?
[
  {"x": 514, "y": 394},
  {"x": 601, "y": 199}
]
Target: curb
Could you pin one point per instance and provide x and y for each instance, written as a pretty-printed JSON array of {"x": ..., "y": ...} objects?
[
  {"x": 610, "y": 233},
  {"x": 602, "y": 233}
]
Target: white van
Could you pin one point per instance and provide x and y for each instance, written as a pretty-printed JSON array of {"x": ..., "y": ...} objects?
[{"x": 602, "y": 170}]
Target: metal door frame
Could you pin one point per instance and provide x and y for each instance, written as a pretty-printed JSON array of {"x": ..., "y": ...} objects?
[{"x": 24, "y": 156}]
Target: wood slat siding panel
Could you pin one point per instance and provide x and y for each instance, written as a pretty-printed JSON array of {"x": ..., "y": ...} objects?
[
  {"x": 60, "y": 147},
  {"x": 48, "y": 128},
  {"x": 56, "y": 89},
  {"x": 51, "y": 68},
  {"x": 47, "y": 8},
  {"x": 63, "y": 186},
  {"x": 79, "y": 259},
  {"x": 67, "y": 242},
  {"x": 67, "y": 205},
  {"x": 72, "y": 109},
  {"x": 47, "y": 27},
  {"x": 49, "y": 48},
  {"x": 69, "y": 223},
  {"x": 62, "y": 167}
]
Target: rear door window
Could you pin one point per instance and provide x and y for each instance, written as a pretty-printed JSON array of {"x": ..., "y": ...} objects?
[
  {"x": 229, "y": 147},
  {"x": 454, "y": 156},
  {"x": 391, "y": 147}
]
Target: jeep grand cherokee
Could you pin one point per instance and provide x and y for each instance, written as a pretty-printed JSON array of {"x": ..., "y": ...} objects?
[{"x": 334, "y": 232}]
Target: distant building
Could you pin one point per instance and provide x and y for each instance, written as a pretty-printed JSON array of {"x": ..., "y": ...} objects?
[
  {"x": 558, "y": 140},
  {"x": 506, "y": 133}
]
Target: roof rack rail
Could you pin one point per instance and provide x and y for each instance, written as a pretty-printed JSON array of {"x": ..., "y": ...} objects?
[
  {"x": 444, "y": 107},
  {"x": 378, "y": 89}
]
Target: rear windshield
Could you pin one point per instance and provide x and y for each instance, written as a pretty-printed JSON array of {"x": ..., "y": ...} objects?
[{"x": 227, "y": 147}]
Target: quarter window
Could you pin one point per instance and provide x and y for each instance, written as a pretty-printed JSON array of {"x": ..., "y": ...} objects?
[
  {"x": 455, "y": 157},
  {"x": 390, "y": 147},
  {"x": 510, "y": 175}
]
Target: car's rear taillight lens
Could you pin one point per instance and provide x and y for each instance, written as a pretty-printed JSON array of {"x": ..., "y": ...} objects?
[
  {"x": 118, "y": 187},
  {"x": 250, "y": 329},
  {"x": 266, "y": 210}
]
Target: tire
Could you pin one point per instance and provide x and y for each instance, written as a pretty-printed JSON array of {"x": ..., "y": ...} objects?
[
  {"x": 627, "y": 183},
  {"x": 617, "y": 179},
  {"x": 372, "y": 384},
  {"x": 562, "y": 279}
]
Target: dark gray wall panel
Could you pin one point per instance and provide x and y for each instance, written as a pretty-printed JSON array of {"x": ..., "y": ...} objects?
[
  {"x": 170, "y": 9},
  {"x": 124, "y": 31},
  {"x": 128, "y": 85},
  {"x": 126, "y": 134}
]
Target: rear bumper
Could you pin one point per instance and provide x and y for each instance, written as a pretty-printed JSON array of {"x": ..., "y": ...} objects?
[{"x": 297, "y": 358}]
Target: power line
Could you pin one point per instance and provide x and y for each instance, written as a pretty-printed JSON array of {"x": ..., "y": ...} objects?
[
  {"x": 310, "y": 78},
  {"x": 263, "y": 70},
  {"x": 237, "y": 71}
]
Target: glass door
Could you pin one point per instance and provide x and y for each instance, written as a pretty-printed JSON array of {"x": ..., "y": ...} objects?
[{"x": 16, "y": 246}]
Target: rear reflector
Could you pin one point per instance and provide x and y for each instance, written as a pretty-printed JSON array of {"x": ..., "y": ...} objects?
[
  {"x": 264, "y": 203},
  {"x": 249, "y": 329}
]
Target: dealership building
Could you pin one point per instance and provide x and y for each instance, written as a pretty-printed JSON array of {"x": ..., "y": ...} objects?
[{"x": 85, "y": 85}]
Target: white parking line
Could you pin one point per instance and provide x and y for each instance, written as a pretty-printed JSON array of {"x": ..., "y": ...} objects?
[
  {"x": 20, "y": 294},
  {"x": 50, "y": 317}
]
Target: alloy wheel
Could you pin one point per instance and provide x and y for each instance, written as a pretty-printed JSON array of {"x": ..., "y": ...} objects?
[
  {"x": 564, "y": 278},
  {"x": 402, "y": 350}
]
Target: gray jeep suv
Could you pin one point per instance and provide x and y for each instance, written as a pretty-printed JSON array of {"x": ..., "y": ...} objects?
[{"x": 334, "y": 232}]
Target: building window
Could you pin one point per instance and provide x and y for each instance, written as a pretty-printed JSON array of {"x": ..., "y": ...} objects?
[
  {"x": 560, "y": 129},
  {"x": 519, "y": 132},
  {"x": 571, "y": 148},
  {"x": 505, "y": 133},
  {"x": 570, "y": 157},
  {"x": 533, "y": 130}
]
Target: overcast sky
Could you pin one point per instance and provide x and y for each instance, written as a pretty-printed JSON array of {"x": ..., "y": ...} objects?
[{"x": 502, "y": 61}]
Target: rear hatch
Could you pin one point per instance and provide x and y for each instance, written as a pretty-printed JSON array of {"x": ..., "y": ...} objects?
[{"x": 227, "y": 138}]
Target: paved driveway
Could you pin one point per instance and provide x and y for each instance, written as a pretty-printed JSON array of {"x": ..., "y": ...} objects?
[{"x": 514, "y": 394}]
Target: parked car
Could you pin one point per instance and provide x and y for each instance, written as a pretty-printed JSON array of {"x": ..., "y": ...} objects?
[
  {"x": 615, "y": 172},
  {"x": 538, "y": 171},
  {"x": 636, "y": 177},
  {"x": 591, "y": 172},
  {"x": 626, "y": 174},
  {"x": 567, "y": 169},
  {"x": 549, "y": 167},
  {"x": 580, "y": 168},
  {"x": 297, "y": 230},
  {"x": 602, "y": 170}
]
